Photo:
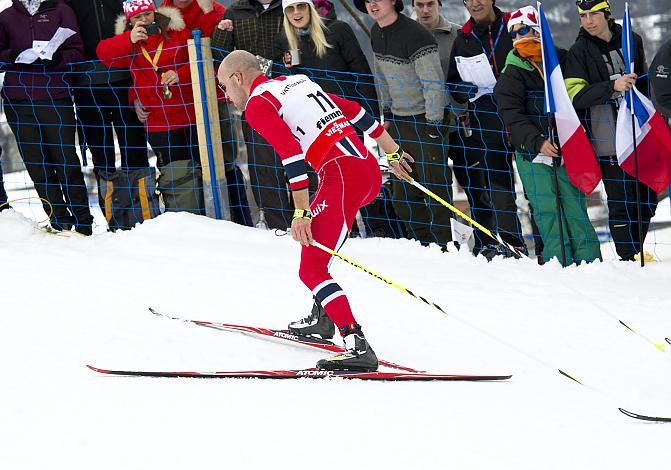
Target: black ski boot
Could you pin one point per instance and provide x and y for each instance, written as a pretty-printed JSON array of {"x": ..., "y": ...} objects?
[
  {"x": 317, "y": 323},
  {"x": 359, "y": 356}
]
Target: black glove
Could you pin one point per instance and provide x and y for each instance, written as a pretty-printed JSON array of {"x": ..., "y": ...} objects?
[
  {"x": 55, "y": 60},
  {"x": 13, "y": 54}
]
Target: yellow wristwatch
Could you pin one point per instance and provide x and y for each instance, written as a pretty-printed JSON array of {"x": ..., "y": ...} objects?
[{"x": 302, "y": 214}]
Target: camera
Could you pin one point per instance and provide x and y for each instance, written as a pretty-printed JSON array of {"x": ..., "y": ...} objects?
[{"x": 152, "y": 29}]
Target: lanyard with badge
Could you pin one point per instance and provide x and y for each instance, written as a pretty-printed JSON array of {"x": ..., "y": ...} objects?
[
  {"x": 492, "y": 45},
  {"x": 167, "y": 94}
]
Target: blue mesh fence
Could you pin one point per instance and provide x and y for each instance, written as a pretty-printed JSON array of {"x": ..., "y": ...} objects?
[{"x": 137, "y": 139}]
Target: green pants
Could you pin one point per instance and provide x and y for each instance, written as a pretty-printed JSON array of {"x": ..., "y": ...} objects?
[{"x": 580, "y": 240}]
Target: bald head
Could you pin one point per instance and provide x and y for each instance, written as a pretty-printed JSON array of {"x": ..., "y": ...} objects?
[
  {"x": 240, "y": 61},
  {"x": 237, "y": 74}
]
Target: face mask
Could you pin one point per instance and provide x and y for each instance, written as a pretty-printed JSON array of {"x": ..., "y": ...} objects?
[{"x": 529, "y": 48}]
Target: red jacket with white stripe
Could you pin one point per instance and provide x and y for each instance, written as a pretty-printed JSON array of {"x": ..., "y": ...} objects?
[{"x": 302, "y": 122}]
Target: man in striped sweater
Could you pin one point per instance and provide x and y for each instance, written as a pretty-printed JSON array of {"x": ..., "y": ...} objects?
[{"x": 412, "y": 93}]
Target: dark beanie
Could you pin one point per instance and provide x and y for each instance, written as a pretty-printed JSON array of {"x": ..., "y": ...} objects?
[{"x": 361, "y": 6}]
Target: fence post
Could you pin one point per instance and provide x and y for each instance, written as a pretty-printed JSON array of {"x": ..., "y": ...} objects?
[{"x": 203, "y": 83}]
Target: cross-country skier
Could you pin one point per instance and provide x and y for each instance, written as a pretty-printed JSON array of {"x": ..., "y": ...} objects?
[{"x": 306, "y": 125}]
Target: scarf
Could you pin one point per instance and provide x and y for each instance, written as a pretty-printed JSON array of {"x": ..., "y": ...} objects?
[
  {"x": 31, "y": 5},
  {"x": 529, "y": 48}
]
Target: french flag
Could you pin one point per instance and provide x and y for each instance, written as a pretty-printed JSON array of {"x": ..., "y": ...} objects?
[
  {"x": 581, "y": 164},
  {"x": 653, "y": 138}
]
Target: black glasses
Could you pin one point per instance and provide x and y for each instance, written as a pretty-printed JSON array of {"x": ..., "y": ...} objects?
[
  {"x": 524, "y": 30},
  {"x": 223, "y": 87}
]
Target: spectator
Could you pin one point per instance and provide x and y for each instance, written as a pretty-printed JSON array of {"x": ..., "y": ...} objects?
[
  {"x": 252, "y": 26},
  {"x": 101, "y": 94},
  {"x": 595, "y": 80},
  {"x": 205, "y": 15},
  {"x": 151, "y": 43},
  {"x": 445, "y": 32},
  {"x": 38, "y": 106},
  {"x": 102, "y": 101},
  {"x": 519, "y": 93},
  {"x": 325, "y": 47},
  {"x": 413, "y": 101},
  {"x": 660, "y": 70},
  {"x": 485, "y": 160}
]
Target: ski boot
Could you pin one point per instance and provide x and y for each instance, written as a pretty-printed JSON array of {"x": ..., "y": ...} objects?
[
  {"x": 359, "y": 356},
  {"x": 317, "y": 323}
]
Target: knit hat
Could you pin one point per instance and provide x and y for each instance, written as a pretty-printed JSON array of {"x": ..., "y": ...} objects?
[
  {"x": 288, "y": 3},
  {"x": 439, "y": 3},
  {"x": 135, "y": 7},
  {"x": 593, "y": 5},
  {"x": 527, "y": 16},
  {"x": 361, "y": 6}
]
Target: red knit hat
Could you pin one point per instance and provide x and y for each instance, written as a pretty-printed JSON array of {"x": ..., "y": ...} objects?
[{"x": 135, "y": 7}]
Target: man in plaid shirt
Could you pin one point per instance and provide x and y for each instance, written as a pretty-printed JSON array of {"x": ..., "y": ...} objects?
[{"x": 254, "y": 26}]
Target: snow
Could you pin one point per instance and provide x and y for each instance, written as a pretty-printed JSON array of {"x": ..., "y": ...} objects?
[{"x": 70, "y": 301}]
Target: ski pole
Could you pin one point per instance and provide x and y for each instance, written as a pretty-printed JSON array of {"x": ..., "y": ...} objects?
[
  {"x": 437, "y": 307},
  {"x": 482, "y": 228},
  {"x": 377, "y": 276}
]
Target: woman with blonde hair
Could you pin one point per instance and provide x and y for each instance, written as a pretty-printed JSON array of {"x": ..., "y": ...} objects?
[{"x": 326, "y": 50}]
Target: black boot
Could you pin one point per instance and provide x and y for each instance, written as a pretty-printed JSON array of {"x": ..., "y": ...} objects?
[
  {"x": 317, "y": 323},
  {"x": 359, "y": 356}
]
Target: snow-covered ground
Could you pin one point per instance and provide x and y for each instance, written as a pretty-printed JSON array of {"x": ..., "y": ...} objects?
[{"x": 70, "y": 301}]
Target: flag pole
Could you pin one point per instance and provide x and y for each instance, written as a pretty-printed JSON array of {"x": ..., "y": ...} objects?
[
  {"x": 555, "y": 163},
  {"x": 638, "y": 193},
  {"x": 630, "y": 61},
  {"x": 550, "y": 110}
]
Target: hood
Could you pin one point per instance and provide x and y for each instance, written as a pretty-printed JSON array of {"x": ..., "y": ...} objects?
[
  {"x": 44, "y": 5},
  {"x": 516, "y": 61},
  {"x": 168, "y": 18},
  {"x": 615, "y": 28},
  {"x": 444, "y": 25},
  {"x": 467, "y": 28},
  {"x": 325, "y": 9}
]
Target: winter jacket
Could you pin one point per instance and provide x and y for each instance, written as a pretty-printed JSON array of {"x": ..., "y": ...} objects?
[
  {"x": 590, "y": 70},
  {"x": 96, "y": 22},
  {"x": 254, "y": 29},
  {"x": 345, "y": 55},
  {"x": 472, "y": 40},
  {"x": 445, "y": 34},
  {"x": 164, "y": 113},
  {"x": 407, "y": 66},
  {"x": 38, "y": 81},
  {"x": 520, "y": 95},
  {"x": 194, "y": 18},
  {"x": 660, "y": 79}
]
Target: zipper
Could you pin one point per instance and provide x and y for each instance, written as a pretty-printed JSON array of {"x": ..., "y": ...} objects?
[{"x": 102, "y": 13}]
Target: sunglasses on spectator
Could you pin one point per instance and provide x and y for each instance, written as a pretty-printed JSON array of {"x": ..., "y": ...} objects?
[{"x": 524, "y": 30}]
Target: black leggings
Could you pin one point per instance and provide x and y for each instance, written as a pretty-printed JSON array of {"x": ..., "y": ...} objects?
[
  {"x": 622, "y": 212},
  {"x": 45, "y": 134},
  {"x": 103, "y": 109}
]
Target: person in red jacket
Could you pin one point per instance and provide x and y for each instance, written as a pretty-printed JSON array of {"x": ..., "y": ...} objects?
[
  {"x": 152, "y": 44},
  {"x": 199, "y": 14},
  {"x": 205, "y": 16},
  {"x": 307, "y": 126}
]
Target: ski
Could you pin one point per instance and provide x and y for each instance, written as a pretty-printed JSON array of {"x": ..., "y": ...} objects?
[
  {"x": 668, "y": 340},
  {"x": 657, "y": 419},
  {"x": 282, "y": 335},
  {"x": 305, "y": 374}
]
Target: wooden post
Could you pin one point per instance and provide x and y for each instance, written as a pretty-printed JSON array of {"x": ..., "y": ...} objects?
[{"x": 203, "y": 82}]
